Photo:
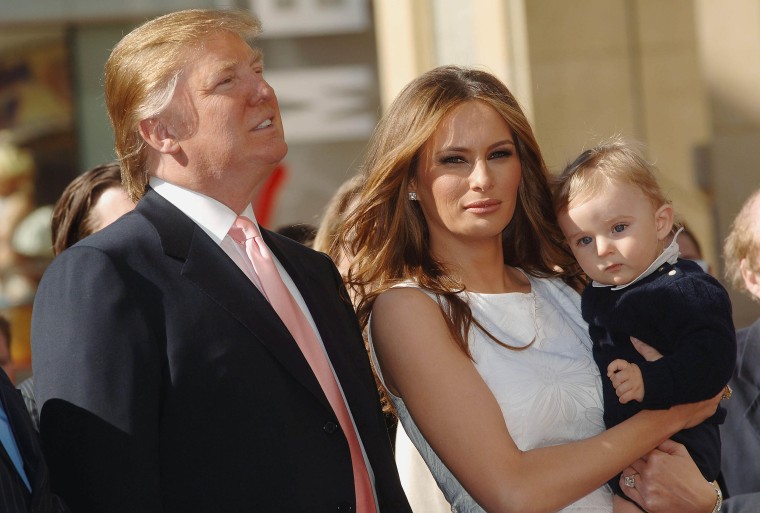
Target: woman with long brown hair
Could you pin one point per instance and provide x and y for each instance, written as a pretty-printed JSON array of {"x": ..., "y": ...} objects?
[{"x": 472, "y": 310}]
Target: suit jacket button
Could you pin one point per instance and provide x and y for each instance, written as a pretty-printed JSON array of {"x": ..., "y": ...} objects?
[
  {"x": 330, "y": 427},
  {"x": 345, "y": 507}
]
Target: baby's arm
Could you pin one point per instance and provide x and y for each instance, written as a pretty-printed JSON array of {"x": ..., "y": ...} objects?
[
  {"x": 702, "y": 354},
  {"x": 627, "y": 380}
]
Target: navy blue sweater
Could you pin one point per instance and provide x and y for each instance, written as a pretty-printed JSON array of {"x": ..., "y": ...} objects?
[{"x": 682, "y": 312}]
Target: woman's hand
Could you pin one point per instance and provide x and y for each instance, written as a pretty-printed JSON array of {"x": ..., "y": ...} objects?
[{"x": 668, "y": 480}]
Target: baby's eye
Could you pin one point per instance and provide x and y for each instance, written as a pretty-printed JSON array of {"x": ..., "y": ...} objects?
[
  {"x": 583, "y": 241},
  {"x": 619, "y": 228}
]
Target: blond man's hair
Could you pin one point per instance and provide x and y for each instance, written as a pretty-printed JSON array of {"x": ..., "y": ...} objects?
[
  {"x": 143, "y": 70},
  {"x": 743, "y": 243}
]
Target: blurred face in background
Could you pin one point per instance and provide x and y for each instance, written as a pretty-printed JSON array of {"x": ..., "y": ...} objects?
[
  {"x": 111, "y": 205},
  {"x": 5, "y": 358}
]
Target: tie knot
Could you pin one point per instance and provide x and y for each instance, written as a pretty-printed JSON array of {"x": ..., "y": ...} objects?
[{"x": 243, "y": 229}]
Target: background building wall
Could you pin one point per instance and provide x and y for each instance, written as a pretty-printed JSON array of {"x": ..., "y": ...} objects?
[{"x": 729, "y": 52}]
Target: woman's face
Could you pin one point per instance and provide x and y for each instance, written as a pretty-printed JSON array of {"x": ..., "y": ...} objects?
[{"x": 467, "y": 176}]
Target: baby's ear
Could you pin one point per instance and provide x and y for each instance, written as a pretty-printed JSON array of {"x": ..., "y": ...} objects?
[{"x": 663, "y": 218}]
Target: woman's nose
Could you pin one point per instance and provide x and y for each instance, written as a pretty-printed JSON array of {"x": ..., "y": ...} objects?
[{"x": 481, "y": 177}]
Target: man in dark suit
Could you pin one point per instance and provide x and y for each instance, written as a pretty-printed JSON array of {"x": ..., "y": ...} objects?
[
  {"x": 24, "y": 481},
  {"x": 167, "y": 381},
  {"x": 740, "y": 434}
]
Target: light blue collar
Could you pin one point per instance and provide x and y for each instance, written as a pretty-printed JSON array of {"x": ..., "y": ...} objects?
[{"x": 669, "y": 255}]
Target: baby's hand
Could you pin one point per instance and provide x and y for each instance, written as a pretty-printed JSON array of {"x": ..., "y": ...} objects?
[{"x": 627, "y": 380}]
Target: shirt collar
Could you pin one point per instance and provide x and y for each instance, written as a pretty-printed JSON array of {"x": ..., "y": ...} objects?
[
  {"x": 669, "y": 255},
  {"x": 214, "y": 217}
]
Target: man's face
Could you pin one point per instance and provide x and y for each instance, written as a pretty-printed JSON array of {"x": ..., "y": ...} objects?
[{"x": 225, "y": 115}]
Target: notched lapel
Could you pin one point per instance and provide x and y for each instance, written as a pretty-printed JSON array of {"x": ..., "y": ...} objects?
[
  {"x": 206, "y": 265},
  {"x": 309, "y": 285}
]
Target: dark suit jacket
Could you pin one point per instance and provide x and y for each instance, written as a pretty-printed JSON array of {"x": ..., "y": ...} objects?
[
  {"x": 14, "y": 496},
  {"x": 740, "y": 465},
  {"x": 168, "y": 383}
]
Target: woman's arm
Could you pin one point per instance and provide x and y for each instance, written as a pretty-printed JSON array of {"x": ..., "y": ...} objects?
[{"x": 462, "y": 422}]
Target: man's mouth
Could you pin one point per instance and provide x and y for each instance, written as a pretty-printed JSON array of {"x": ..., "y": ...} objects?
[{"x": 264, "y": 123}]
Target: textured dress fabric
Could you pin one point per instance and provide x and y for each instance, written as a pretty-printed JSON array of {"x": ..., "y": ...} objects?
[{"x": 549, "y": 394}]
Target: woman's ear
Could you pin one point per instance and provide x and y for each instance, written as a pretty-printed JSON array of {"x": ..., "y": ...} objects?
[
  {"x": 411, "y": 190},
  {"x": 159, "y": 136},
  {"x": 663, "y": 219}
]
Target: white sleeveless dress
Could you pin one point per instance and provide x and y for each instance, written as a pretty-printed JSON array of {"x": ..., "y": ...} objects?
[{"x": 549, "y": 394}]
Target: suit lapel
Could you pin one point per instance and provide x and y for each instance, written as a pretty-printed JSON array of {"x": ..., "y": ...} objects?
[
  {"x": 206, "y": 264},
  {"x": 310, "y": 285}
]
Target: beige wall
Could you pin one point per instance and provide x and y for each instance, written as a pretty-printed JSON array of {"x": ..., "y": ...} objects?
[
  {"x": 636, "y": 75},
  {"x": 729, "y": 50}
]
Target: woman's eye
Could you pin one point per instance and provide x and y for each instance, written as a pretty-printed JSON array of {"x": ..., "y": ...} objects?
[
  {"x": 454, "y": 159},
  {"x": 500, "y": 154},
  {"x": 584, "y": 241}
]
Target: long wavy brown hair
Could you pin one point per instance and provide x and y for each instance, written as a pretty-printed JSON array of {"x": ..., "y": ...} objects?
[{"x": 387, "y": 234}]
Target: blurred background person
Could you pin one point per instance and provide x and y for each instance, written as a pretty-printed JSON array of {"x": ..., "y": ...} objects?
[
  {"x": 299, "y": 232},
  {"x": 740, "y": 464},
  {"x": 92, "y": 201},
  {"x": 340, "y": 205},
  {"x": 24, "y": 481},
  {"x": 6, "y": 362},
  {"x": 16, "y": 202}
]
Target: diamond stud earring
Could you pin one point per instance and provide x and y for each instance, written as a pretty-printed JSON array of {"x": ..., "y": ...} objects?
[{"x": 412, "y": 196}]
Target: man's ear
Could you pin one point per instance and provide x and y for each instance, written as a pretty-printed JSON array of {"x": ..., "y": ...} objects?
[
  {"x": 663, "y": 219},
  {"x": 159, "y": 136},
  {"x": 751, "y": 278}
]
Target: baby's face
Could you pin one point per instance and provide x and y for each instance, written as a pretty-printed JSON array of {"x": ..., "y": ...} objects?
[{"x": 615, "y": 234}]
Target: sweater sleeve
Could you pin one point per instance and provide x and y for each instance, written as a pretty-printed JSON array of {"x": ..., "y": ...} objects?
[{"x": 694, "y": 311}]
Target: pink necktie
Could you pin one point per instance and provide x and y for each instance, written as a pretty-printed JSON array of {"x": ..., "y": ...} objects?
[{"x": 245, "y": 232}]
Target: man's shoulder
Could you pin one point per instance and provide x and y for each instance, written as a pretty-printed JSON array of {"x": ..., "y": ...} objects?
[
  {"x": 750, "y": 333},
  {"x": 129, "y": 231}
]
